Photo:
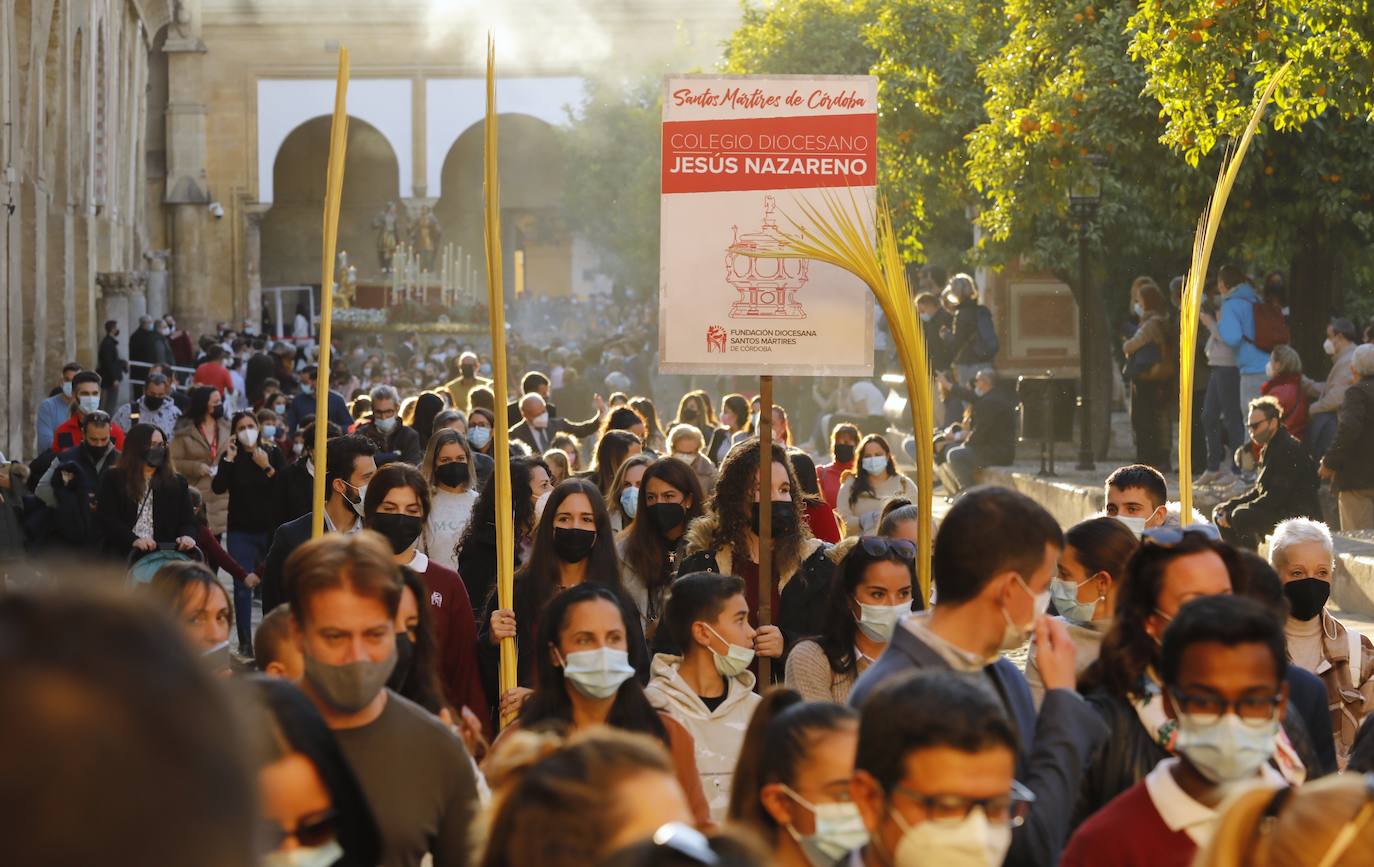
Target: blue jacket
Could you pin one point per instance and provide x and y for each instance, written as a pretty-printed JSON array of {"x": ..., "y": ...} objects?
[
  {"x": 1237, "y": 327},
  {"x": 51, "y": 413},
  {"x": 1056, "y": 744},
  {"x": 303, "y": 406}
]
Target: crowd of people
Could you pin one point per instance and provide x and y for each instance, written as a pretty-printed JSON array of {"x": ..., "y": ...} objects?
[{"x": 1139, "y": 688}]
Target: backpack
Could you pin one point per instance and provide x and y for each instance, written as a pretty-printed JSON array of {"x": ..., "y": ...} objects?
[
  {"x": 1271, "y": 329},
  {"x": 986, "y": 344}
]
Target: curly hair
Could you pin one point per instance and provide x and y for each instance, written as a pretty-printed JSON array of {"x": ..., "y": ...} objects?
[{"x": 732, "y": 501}]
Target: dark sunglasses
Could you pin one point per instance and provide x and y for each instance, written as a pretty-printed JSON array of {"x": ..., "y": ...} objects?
[
  {"x": 882, "y": 546},
  {"x": 310, "y": 832},
  {"x": 1169, "y": 537}
]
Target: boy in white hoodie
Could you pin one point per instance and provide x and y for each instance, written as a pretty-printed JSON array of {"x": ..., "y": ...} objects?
[{"x": 709, "y": 689}]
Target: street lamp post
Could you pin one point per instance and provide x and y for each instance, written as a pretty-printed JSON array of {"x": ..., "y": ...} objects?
[{"x": 1085, "y": 196}]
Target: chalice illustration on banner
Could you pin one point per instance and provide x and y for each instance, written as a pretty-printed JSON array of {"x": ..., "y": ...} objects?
[{"x": 767, "y": 285}]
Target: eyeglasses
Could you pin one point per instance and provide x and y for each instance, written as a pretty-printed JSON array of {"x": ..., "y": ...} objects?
[
  {"x": 1206, "y": 710},
  {"x": 881, "y": 546},
  {"x": 1255, "y": 425},
  {"x": 1169, "y": 537},
  {"x": 314, "y": 831},
  {"x": 1010, "y": 808},
  {"x": 686, "y": 841}
]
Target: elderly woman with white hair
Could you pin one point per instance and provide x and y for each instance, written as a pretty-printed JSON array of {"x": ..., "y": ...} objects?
[
  {"x": 686, "y": 443},
  {"x": 1300, "y": 550}
]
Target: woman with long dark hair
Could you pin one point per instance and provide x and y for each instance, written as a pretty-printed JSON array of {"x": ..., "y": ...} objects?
[
  {"x": 651, "y": 546},
  {"x": 873, "y": 481},
  {"x": 397, "y": 506},
  {"x": 875, "y": 588},
  {"x": 427, "y": 406},
  {"x": 819, "y": 516},
  {"x": 653, "y": 433},
  {"x": 309, "y": 794},
  {"x": 726, "y": 540},
  {"x": 1091, "y": 567},
  {"x": 734, "y": 419},
  {"x": 798, "y": 756},
  {"x": 248, "y": 472},
  {"x": 586, "y": 659},
  {"x": 141, "y": 502},
  {"x": 612, "y": 450},
  {"x": 476, "y": 551},
  {"x": 199, "y": 438},
  {"x": 573, "y": 545}
]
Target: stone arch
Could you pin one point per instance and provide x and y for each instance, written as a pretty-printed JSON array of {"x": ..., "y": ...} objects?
[
  {"x": 532, "y": 173},
  {"x": 291, "y": 229}
]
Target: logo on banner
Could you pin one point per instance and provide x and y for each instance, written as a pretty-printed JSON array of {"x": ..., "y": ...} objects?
[{"x": 715, "y": 339}]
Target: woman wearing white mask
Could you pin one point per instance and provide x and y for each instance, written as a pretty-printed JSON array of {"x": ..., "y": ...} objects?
[
  {"x": 874, "y": 591},
  {"x": 586, "y": 665},
  {"x": 792, "y": 784},
  {"x": 248, "y": 473},
  {"x": 624, "y": 500},
  {"x": 875, "y": 480},
  {"x": 1091, "y": 567},
  {"x": 685, "y": 443},
  {"x": 934, "y": 774}
]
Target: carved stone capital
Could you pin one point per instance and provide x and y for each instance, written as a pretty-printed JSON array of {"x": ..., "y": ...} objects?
[{"x": 120, "y": 283}]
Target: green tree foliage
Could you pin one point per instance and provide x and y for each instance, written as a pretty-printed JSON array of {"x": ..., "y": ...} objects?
[{"x": 611, "y": 197}]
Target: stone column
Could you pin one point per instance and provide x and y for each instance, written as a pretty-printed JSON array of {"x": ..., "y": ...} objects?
[
  {"x": 158, "y": 303},
  {"x": 253, "y": 212},
  {"x": 188, "y": 188},
  {"x": 122, "y": 299}
]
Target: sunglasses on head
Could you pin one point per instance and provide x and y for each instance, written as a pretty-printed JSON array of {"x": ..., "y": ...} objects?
[
  {"x": 882, "y": 546},
  {"x": 1169, "y": 537},
  {"x": 311, "y": 831}
]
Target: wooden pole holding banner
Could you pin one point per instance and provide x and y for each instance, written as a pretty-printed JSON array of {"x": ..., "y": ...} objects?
[
  {"x": 496, "y": 300},
  {"x": 338, "y": 144},
  {"x": 765, "y": 518}
]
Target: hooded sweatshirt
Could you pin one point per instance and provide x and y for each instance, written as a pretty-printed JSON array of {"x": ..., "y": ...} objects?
[{"x": 718, "y": 734}]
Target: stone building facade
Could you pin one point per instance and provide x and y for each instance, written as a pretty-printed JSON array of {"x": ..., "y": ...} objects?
[{"x": 169, "y": 155}]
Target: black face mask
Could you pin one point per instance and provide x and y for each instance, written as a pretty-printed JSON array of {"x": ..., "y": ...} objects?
[
  {"x": 784, "y": 518},
  {"x": 96, "y": 453},
  {"x": 572, "y": 544},
  {"x": 667, "y": 516},
  {"x": 453, "y": 475},
  {"x": 405, "y": 657},
  {"x": 844, "y": 453},
  {"x": 217, "y": 412},
  {"x": 468, "y": 370},
  {"x": 153, "y": 403},
  {"x": 156, "y": 456},
  {"x": 1307, "y": 597},
  {"x": 400, "y": 530}
]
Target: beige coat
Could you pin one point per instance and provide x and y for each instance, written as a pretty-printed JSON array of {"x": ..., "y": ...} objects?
[
  {"x": 861, "y": 518},
  {"x": 192, "y": 458},
  {"x": 1349, "y": 692}
]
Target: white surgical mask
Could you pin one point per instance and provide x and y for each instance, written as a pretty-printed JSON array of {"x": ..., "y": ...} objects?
[
  {"x": 478, "y": 437},
  {"x": 735, "y": 661},
  {"x": 1139, "y": 309},
  {"x": 839, "y": 830},
  {"x": 1230, "y": 749},
  {"x": 629, "y": 502},
  {"x": 89, "y": 402},
  {"x": 362, "y": 496},
  {"x": 249, "y": 437},
  {"x": 540, "y": 421},
  {"x": 879, "y": 621},
  {"x": 1015, "y": 635},
  {"x": 1065, "y": 596},
  {"x": 972, "y": 841},
  {"x": 296, "y": 449},
  {"x": 597, "y": 673},
  {"x": 386, "y": 425},
  {"x": 312, "y": 856},
  {"x": 1135, "y": 525},
  {"x": 874, "y": 464},
  {"x": 1328, "y": 346},
  {"x": 540, "y": 502},
  {"x": 754, "y": 421},
  {"x": 67, "y": 388},
  {"x": 269, "y": 432}
]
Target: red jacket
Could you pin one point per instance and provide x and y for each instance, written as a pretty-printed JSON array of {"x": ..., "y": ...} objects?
[
  {"x": 821, "y": 518},
  {"x": 69, "y": 434},
  {"x": 829, "y": 474},
  {"x": 1287, "y": 388},
  {"x": 455, "y": 634},
  {"x": 216, "y": 374}
]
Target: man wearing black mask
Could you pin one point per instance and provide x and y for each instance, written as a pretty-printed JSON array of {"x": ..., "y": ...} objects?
[
  {"x": 466, "y": 380},
  {"x": 76, "y": 469},
  {"x": 155, "y": 407}
]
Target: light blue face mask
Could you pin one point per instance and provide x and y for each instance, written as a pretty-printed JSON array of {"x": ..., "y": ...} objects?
[
  {"x": 478, "y": 437},
  {"x": 875, "y": 464},
  {"x": 1065, "y": 596},
  {"x": 311, "y": 856},
  {"x": 629, "y": 502}
]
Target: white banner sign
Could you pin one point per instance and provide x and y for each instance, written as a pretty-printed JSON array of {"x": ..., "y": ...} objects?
[{"x": 740, "y": 153}]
